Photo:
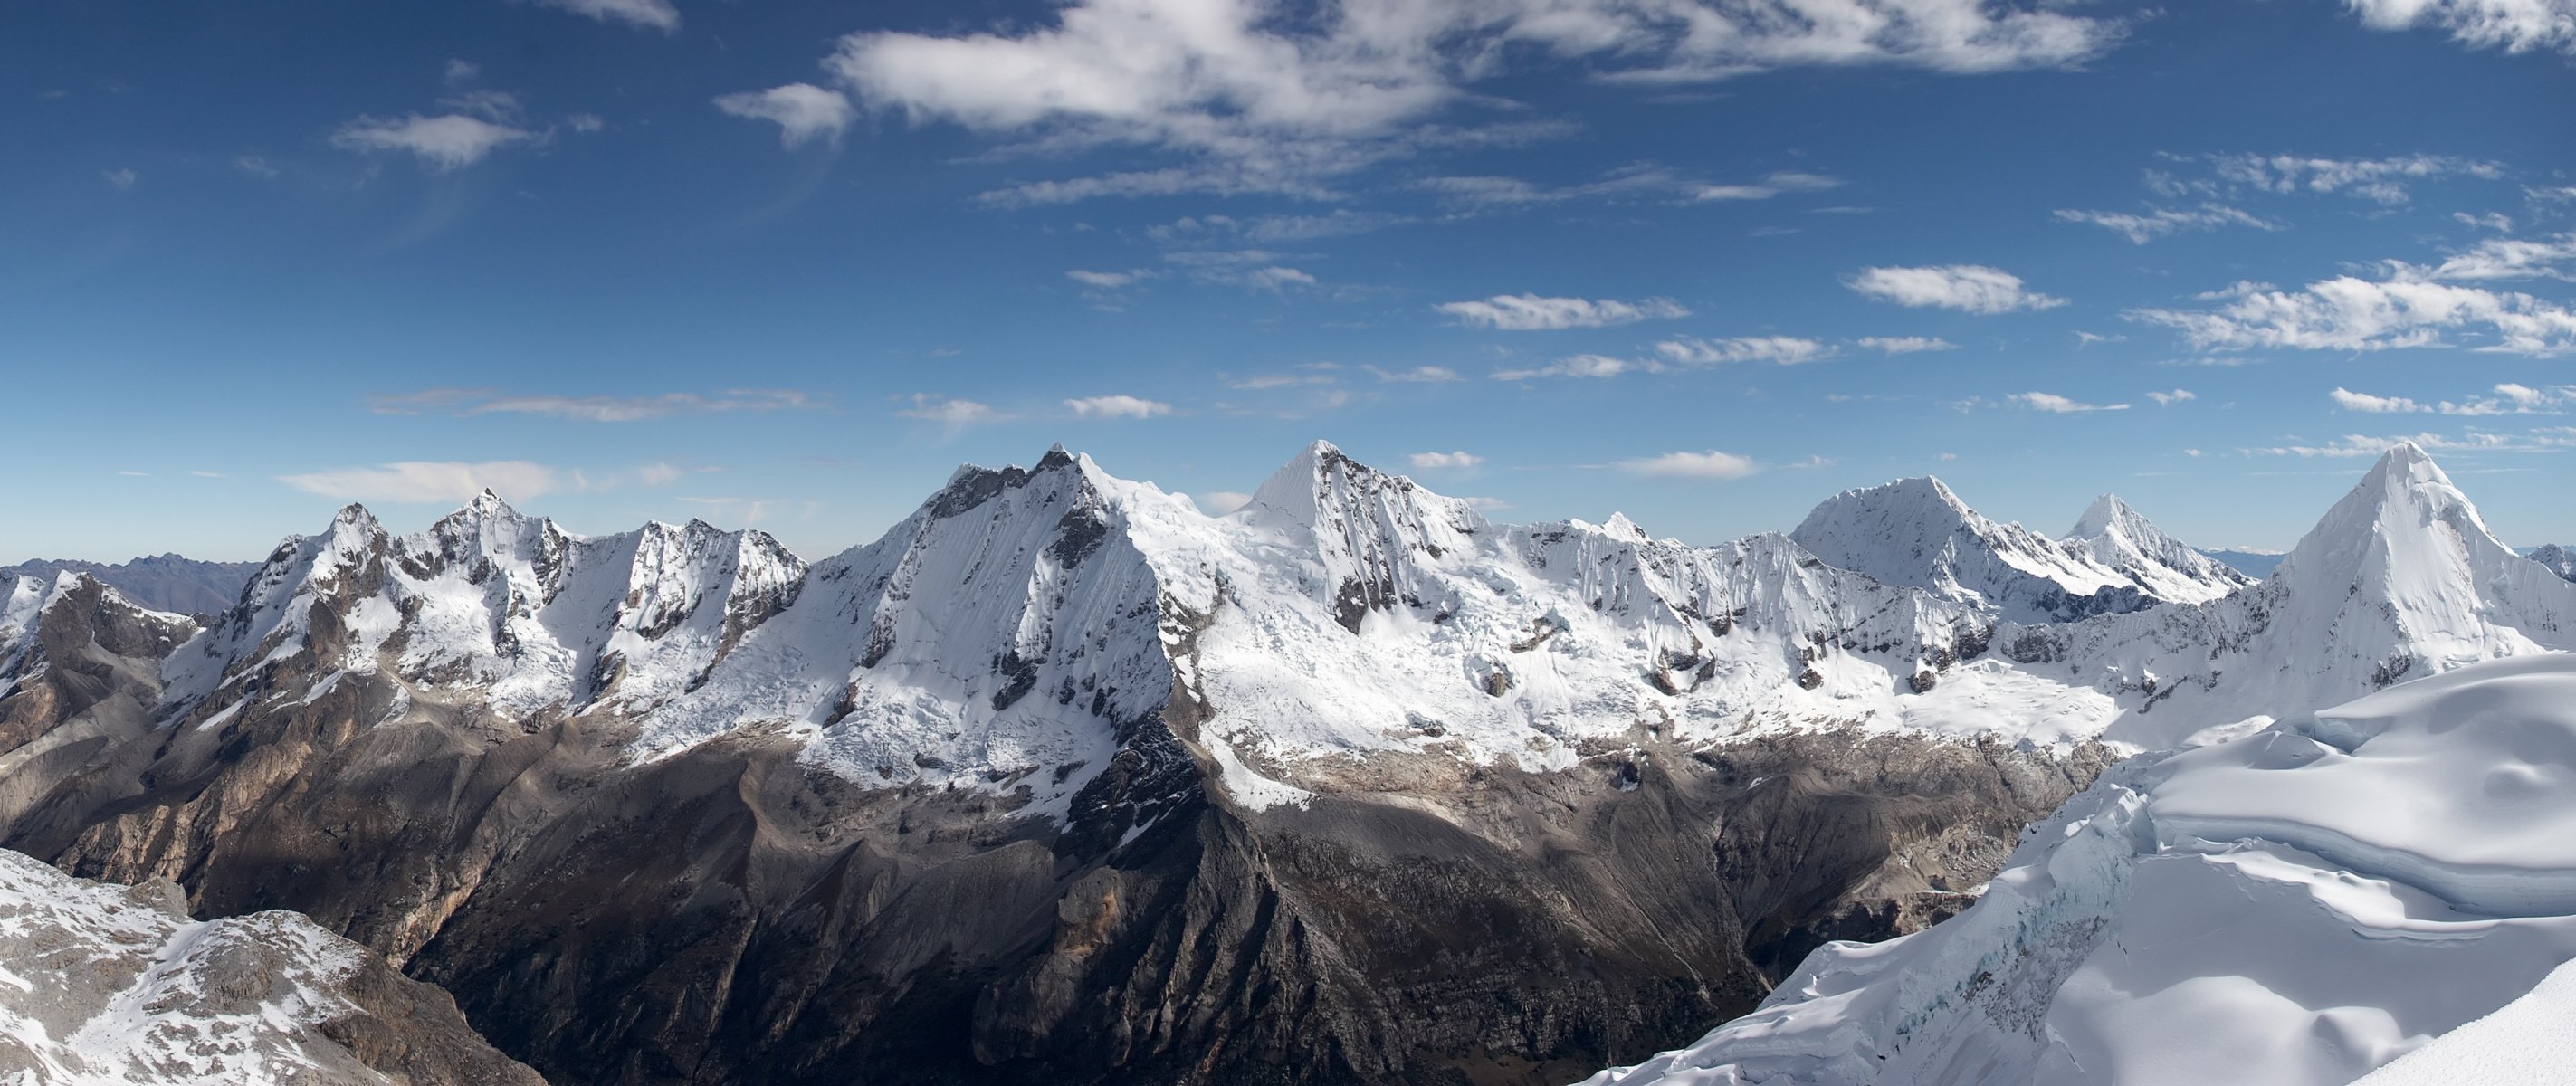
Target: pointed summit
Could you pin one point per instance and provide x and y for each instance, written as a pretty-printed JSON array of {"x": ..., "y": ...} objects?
[{"x": 2098, "y": 518}]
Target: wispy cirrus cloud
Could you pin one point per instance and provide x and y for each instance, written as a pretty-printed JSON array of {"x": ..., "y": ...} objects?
[
  {"x": 1444, "y": 461},
  {"x": 2352, "y": 314},
  {"x": 2161, "y": 222},
  {"x": 1708, "y": 466},
  {"x": 1968, "y": 288},
  {"x": 1117, "y": 407},
  {"x": 1532, "y": 312},
  {"x": 1775, "y": 350},
  {"x": 648, "y": 14},
  {"x": 2506, "y": 399},
  {"x": 954, "y": 412},
  {"x": 417, "y": 481},
  {"x": 446, "y": 143},
  {"x": 2516, "y": 26},
  {"x": 2059, "y": 405},
  {"x": 484, "y": 401},
  {"x": 1895, "y": 345},
  {"x": 2545, "y": 440}
]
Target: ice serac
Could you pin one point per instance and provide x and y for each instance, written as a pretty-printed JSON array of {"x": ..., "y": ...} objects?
[
  {"x": 1917, "y": 533},
  {"x": 104, "y": 985},
  {"x": 2296, "y": 906},
  {"x": 2399, "y": 579},
  {"x": 2170, "y": 570}
]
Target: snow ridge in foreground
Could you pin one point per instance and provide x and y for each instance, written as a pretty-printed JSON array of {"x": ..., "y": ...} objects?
[{"x": 2295, "y": 906}]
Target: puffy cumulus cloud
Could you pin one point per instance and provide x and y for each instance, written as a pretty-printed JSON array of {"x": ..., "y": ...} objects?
[
  {"x": 449, "y": 142},
  {"x": 1776, "y": 350},
  {"x": 1271, "y": 97},
  {"x": 1116, "y": 407},
  {"x": 1444, "y": 461},
  {"x": 1969, "y": 288},
  {"x": 2059, "y": 405},
  {"x": 2546, "y": 439},
  {"x": 1709, "y": 466},
  {"x": 2351, "y": 314},
  {"x": 1531, "y": 312},
  {"x": 2517, "y": 26},
  {"x": 483, "y": 401},
  {"x": 951, "y": 411},
  {"x": 1906, "y": 344},
  {"x": 2507, "y": 399},
  {"x": 803, "y": 112},
  {"x": 429, "y": 481},
  {"x": 2168, "y": 399},
  {"x": 2141, "y": 229},
  {"x": 1581, "y": 365},
  {"x": 649, "y": 14},
  {"x": 2381, "y": 180}
]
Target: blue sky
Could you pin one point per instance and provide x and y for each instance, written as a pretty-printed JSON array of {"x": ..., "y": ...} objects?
[{"x": 788, "y": 265}]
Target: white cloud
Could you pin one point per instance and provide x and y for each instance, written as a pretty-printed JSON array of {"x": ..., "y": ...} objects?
[
  {"x": 1777, "y": 350},
  {"x": 1969, "y": 288},
  {"x": 2381, "y": 180},
  {"x": 952, "y": 412},
  {"x": 2508, "y": 399},
  {"x": 449, "y": 142},
  {"x": 2141, "y": 229},
  {"x": 2059, "y": 405},
  {"x": 1581, "y": 365},
  {"x": 461, "y": 72},
  {"x": 1771, "y": 186},
  {"x": 1427, "y": 375},
  {"x": 2518, "y": 26},
  {"x": 1117, "y": 407},
  {"x": 1906, "y": 344},
  {"x": 2496, "y": 221},
  {"x": 2499, "y": 258},
  {"x": 428, "y": 481},
  {"x": 1108, "y": 280},
  {"x": 1275, "y": 277},
  {"x": 1444, "y": 461},
  {"x": 2351, "y": 314},
  {"x": 1275, "y": 229},
  {"x": 254, "y": 165},
  {"x": 1217, "y": 503},
  {"x": 653, "y": 14},
  {"x": 2361, "y": 401},
  {"x": 585, "y": 122},
  {"x": 471, "y": 401},
  {"x": 2547, "y": 439},
  {"x": 1531, "y": 312},
  {"x": 1260, "y": 102},
  {"x": 2168, "y": 399},
  {"x": 1707, "y": 466},
  {"x": 803, "y": 112},
  {"x": 121, "y": 180}
]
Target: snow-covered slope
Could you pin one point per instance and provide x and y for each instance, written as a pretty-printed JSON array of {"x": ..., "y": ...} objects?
[
  {"x": 105, "y": 985},
  {"x": 2253, "y": 564},
  {"x": 1916, "y": 533},
  {"x": 2400, "y": 579},
  {"x": 492, "y": 601},
  {"x": 2168, "y": 569},
  {"x": 2295, "y": 906}
]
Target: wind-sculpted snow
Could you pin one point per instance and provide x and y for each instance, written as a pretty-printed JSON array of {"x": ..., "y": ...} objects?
[
  {"x": 2295, "y": 906},
  {"x": 2556, "y": 559},
  {"x": 104, "y": 984},
  {"x": 1915, "y": 532},
  {"x": 510, "y": 606},
  {"x": 2400, "y": 579}
]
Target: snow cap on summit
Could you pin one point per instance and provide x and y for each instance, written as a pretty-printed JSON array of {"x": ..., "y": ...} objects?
[{"x": 2098, "y": 517}]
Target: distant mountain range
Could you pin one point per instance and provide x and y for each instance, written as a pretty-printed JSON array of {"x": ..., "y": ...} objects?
[
  {"x": 1064, "y": 781},
  {"x": 165, "y": 582}
]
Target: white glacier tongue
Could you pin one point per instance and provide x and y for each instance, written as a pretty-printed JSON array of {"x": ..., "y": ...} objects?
[
  {"x": 2295, "y": 906},
  {"x": 2399, "y": 579},
  {"x": 1915, "y": 532}
]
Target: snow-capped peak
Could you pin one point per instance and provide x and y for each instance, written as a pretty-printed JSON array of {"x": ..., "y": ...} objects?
[
  {"x": 1916, "y": 532},
  {"x": 2099, "y": 517},
  {"x": 2119, "y": 537}
]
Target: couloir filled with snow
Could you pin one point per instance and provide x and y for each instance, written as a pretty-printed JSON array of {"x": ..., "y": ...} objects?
[{"x": 2297, "y": 905}]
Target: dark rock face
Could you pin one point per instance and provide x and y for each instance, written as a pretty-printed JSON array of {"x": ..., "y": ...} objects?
[{"x": 162, "y": 582}]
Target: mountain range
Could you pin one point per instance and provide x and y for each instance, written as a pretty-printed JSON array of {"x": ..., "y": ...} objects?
[{"x": 1065, "y": 781}]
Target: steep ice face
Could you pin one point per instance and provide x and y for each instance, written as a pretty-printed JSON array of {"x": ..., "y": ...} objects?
[
  {"x": 1916, "y": 533},
  {"x": 2120, "y": 538},
  {"x": 2295, "y": 906},
  {"x": 2399, "y": 579},
  {"x": 488, "y": 598}
]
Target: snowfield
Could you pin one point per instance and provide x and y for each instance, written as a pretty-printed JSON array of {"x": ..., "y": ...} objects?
[{"x": 2299, "y": 905}]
